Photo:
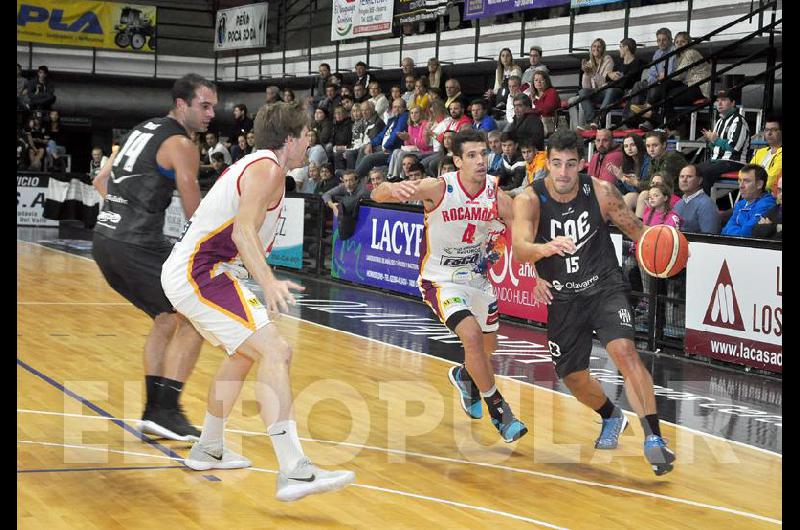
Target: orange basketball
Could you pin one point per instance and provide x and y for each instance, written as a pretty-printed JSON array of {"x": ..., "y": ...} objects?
[{"x": 662, "y": 252}]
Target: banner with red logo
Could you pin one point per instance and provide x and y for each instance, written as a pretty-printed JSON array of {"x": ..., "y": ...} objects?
[
  {"x": 514, "y": 283},
  {"x": 734, "y": 305}
]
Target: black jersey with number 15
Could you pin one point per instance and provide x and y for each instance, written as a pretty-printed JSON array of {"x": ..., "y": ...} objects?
[
  {"x": 139, "y": 190},
  {"x": 594, "y": 264}
]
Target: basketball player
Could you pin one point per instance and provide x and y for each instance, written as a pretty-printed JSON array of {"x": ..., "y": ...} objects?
[
  {"x": 561, "y": 224},
  {"x": 129, "y": 245},
  {"x": 465, "y": 213},
  {"x": 235, "y": 225}
]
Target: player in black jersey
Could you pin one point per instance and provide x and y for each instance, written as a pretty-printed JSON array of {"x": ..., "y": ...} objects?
[
  {"x": 561, "y": 224},
  {"x": 129, "y": 245}
]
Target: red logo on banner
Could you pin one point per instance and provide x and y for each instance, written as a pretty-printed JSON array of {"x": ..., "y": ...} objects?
[{"x": 723, "y": 309}]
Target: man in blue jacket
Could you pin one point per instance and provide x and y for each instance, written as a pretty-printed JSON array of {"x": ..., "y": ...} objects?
[
  {"x": 753, "y": 204},
  {"x": 380, "y": 148}
]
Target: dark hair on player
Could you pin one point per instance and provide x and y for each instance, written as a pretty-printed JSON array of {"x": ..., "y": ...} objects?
[{"x": 185, "y": 87}]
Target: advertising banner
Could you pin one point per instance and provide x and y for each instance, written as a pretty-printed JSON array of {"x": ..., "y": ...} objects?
[
  {"x": 585, "y": 3},
  {"x": 488, "y": 8},
  {"x": 514, "y": 283},
  {"x": 287, "y": 249},
  {"x": 241, "y": 27},
  {"x": 31, "y": 193},
  {"x": 361, "y": 18},
  {"x": 411, "y": 11},
  {"x": 110, "y": 25},
  {"x": 734, "y": 309}
]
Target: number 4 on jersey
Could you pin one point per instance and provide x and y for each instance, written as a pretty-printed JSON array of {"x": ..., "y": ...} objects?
[{"x": 469, "y": 234}]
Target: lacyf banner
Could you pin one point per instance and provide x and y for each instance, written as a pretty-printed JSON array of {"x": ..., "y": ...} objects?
[
  {"x": 31, "y": 192},
  {"x": 115, "y": 26},
  {"x": 287, "y": 250},
  {"x": 411, "y": 11},
  {"x": 734, "y": 305},
  {"x": 241, "y": 27},
  {"x": 71, "y": 197},
  {"x": 361, "y": 18},
  {"x": 382, "y": 252},
  {"x": 488, "y": 8}
]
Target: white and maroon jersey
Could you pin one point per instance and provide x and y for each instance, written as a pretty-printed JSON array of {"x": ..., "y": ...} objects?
[
  {"x": 206, "y": 248},
  {"x": 462, "y": 234}
]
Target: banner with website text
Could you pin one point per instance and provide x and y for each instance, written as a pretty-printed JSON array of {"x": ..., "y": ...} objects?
[
  {"x": 110, "y": 25},
  {"x": 411, "y": 11},
  {"x": 360, "y": 18},
  {"x": 488, "y": 8}
]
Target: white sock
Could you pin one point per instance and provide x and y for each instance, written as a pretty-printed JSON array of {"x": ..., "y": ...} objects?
[
  {"x": 213, "y": 434},
  {"x": 489, "y": 392},
  {"x": 286, "y": 444}
]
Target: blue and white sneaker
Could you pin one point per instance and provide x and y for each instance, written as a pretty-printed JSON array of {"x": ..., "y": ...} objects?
[
  {"x": 658, "y": 454},
  {"x": 512, "y": 430},
  {"x": 472, "y": 406},
  {"x": 612, "y": 428}
]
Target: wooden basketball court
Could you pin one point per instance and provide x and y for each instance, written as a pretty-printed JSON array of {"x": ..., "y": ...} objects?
[{"x": 385, "y": 412}]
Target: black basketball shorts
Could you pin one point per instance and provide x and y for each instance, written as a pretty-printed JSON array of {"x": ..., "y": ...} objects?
[
  {"x": 571, "y": 322},
  {"x": 134, "y": 272}
]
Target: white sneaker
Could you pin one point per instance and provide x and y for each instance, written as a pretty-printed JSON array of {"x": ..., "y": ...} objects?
[
  {"x": 201, "y": 458},
  {"x": 307, "y": 479}
]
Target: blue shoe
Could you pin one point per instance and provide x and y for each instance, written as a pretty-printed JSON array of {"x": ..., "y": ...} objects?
[
  {"x": 511, "y": 431},
  {"x": 612, "y": 428},
  {"x": 472, "y": 406},
  {"x": 657, "y": 453}
]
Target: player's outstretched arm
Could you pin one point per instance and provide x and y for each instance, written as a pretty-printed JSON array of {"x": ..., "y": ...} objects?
[
  {"x": 505, "y": 206},
  {"x": 180, "y": 154},
  {"x": 261, "y": 187},
  {"x": 525, "y": 228},
  {"x": 428, "y": 190},
  {"x": 613, "y": 208}
]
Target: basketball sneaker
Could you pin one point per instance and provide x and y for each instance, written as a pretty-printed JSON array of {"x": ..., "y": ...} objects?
[
  {"x": 169, "y": 423},
  {"x": 510, "y": 430},
  {"x": 308, "y": 479},
  {"x": 612, "y": 428},
  {"x": 657, "y": 453},
  {"x": 202, "y": 458},
  {"x": 473, "y": 406}
]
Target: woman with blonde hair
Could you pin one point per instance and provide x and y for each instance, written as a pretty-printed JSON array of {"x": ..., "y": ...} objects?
[
  {"x": 505, "y": 69},
  {"x": 434, "y": 73},
  {"x": 596, "y": 70}
]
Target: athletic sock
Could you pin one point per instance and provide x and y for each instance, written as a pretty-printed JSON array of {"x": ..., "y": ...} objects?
[
  {"x": 650, "y": 425},
  {"x": 213, "y": 434},
  {"x": 607, "y": 410},
  {"x": 469, "y": 383},
  {"x": 286, "y": 444},
  {"x": 498, "y": 408},
  {"x": 170, "y": 393},
  {"x": 152, "y": 387}
]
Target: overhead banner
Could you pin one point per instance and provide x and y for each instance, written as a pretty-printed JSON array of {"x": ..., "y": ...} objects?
[
  {"x": 287, "y": 249},
  {"x": 241, "y": 27},
  {"x": 109, "y": 25},
  {"x": 31, "y": 193},
  {"x": 734, "y": 305},
  {"x": 360, "y": 18},
  {"x": 411, "y": 11},
  {"x": 488, "y": 8},
  {"x": 585, "y": 3}
]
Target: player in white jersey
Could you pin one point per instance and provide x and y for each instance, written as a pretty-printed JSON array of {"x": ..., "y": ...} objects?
[
  {"x": 234, "y": 226},
  {"x": 465, "y": 216}
]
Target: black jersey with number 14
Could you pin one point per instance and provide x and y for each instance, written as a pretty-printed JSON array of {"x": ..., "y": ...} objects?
[{"x": 594, "y": 264}]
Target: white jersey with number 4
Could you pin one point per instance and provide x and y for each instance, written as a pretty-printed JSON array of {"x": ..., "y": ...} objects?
[{"x": 461, "y": 234}]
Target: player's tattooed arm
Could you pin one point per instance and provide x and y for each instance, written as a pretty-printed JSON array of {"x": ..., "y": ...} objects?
[{"x": 613, "y": 208}]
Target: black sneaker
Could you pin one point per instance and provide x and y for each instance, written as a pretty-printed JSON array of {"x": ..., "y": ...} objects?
[{"x": 169, "y": 423}]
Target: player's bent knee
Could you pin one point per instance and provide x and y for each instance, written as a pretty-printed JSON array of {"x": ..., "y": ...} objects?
[{"x": 577, "y": 379}]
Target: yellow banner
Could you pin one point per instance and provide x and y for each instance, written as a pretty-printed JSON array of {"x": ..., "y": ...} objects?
[{"x": 114, "y": 26}]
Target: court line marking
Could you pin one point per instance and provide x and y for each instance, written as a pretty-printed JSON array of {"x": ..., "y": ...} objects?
[
  {"x": 73, "y": 469},
  {"x": 528, "y": 383},
  {"x": 55, "y": 250},
  {"x": 365, "y": 486},
  {"x": 73, "y": 303},
  {"x": 541, "y": 474}
]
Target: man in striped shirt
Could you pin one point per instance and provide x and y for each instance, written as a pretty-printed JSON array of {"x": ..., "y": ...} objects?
[{"x": 728, "y": 141}]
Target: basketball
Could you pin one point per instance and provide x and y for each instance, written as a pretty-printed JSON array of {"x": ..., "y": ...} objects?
[{"x": 662, "y": 252}]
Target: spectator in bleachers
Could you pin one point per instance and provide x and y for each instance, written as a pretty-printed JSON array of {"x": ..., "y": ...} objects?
[
  {"x": 37, "y": 144},
  {"x": 327, "y": 180},
  {"x": 358, "y": 125},
  {"x": 242, "y": 124},
  {"x": 240, "y": 149},
  {"x": 214, "y": 145},
  {"x": 456, "y": 121},
  {"x": 406, "y": 68},
  {"x": 668, "y": 163},
  {"x": 251, "y": 141},
  {"x": 272, "y": 94},
  {"x": 698, "y": 211},
  {"x": 22, "y": 88},
  {"x": 770, "y": 157},
  {"x": 347, "y": 104},
  {"x": 378, "y": 151},
  {"x": 379, "y": 101},
  {"x": 414, "y": 140},
  {"x": 507, "y": 106},
  {"x": 545, "y": 101},
  {"x": 342, "y": 134},
  {"x": 434, "y": 73},
  {"x": 537, "y": 65},
  {"x": 658, "y": 210},
  {"x": 55, "y": 150},
  {"x": 406, "y": 161},
  {"x": 209, "y": 173},
  {"x": 513, "y": 171},
  {"x": 415, "y": 172},
  {"x": 349, "y": 187},
  {"x": 372, "y": 126},
  {"x": 535, "y": 167},
  {"x": 316, "y": 153},
  {"x": 97, "y": 162},
  {"x": 770, "y": 226},
  {"x": 633, "y": 176},
  {"x": 331, "y": 99},
  {"x": 320, "y": 82},
  {"x": 656, "y": 73},
  {"x": 360, "y": 93},
  {"x": 754, "y": 202},
  {"x": 596, "y": 74},
  {"x": 288, "y": 96},
  {"x": 452, "y": 89},
  {"x": 410, "y": 83},
  {"x": 728, "y": 141},
  {"x": 362, "y": 77},
  {"x": 323, "y": 126},
  {"x": 376, "y": 178},
  {"x": 629, "y": 71},
  {"x": 23, "y": 153},
  {"x": 606, "y": 163},
  {"x": 421, "y": 96},
  {"x": 527, "y": 125},
  {"x": 446, "y": 165},
  {"x": 437, "y": 121},
  {"x": 311, "y": 182},
  {"x": 345, "y": 91},
  {"x": 495, "y": 152},
  {"x": 506, "y": 67},
  {"x": 432, "y": 161},
  {"x": 480, "y": 119},
  {"x": 41, "y": 90}
]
